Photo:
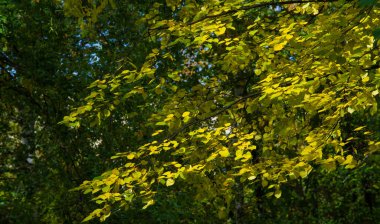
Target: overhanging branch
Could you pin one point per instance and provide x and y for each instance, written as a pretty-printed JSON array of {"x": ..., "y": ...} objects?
[
  {"x": 197, "y": 121},
  {"x": 259, "y": 5}
]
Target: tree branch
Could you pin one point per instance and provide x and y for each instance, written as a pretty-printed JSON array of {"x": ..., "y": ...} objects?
[
  {"x": 196, "y": 121},
  {"x": 259, "y": 5},
  {"x": 256, "y": 6}
]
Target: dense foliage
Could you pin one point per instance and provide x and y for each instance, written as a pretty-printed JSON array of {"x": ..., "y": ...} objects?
[{"x": 196, "y": 111}]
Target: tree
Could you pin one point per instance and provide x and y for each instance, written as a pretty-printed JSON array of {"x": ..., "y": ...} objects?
[
  {"x": 244, "y": 98},
  {"x": 211, "y": 109},
  {"x": 46, "y": 63}
]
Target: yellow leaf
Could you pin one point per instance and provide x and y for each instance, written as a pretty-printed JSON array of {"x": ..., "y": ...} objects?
[
  {"x": 220, "y": 31},
  {"x": 239, "y": 154},
  {"x": 88, "y": 218},
  {"x": 247, "y": 156},
  {"x": 278, "y": 47},
  {"x": 365, "y": 78},
  {"x": 303, "y": 174},
  {"x": 212, "y": 157},
  {"x": 169, "y": 182},
  {"x": 157, "y": 132},
  {"x": 288, "y": 36},
  {"x": 269, "y": 194},
  {"x": 186, "y": 119},
  {"x": 151, "y": 202},
  {"x": 349, "y": 159},
  {"x": 251, "y": 33},
  {"x": 243, "y": 171},
  {"x": 186, "y": 114},
  {"x": 169, "y": 117},
  {"x": 136, "y": 175},
  {"x": 277, "y": 194},
  {"x": 257, "y": 71},
  {"x": 224, "y": 152},
  {"x": 359, "y": 128},
  {"x": 155, "y": 50}
]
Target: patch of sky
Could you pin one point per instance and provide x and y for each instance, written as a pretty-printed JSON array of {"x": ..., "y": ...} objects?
[
  {"x": 277, "y": 8},
  {"x": 203, "y": 80},
  {"x": 93, "y": 58},
  {"x": 105, "y": 33},
  {"x": 12, "y": 72},
  {"x": 97, "y": 45},
  {"x": 113, "y": 40}
]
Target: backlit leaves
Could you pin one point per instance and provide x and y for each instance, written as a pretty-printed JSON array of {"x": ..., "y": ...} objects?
[{"x": 242, "y": 94}]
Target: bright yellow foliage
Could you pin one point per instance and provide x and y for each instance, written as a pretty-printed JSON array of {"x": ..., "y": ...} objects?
[{"x": 305, "y": 67}]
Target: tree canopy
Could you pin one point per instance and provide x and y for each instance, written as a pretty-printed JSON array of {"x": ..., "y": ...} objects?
[{"x": 195, "y": 111}]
